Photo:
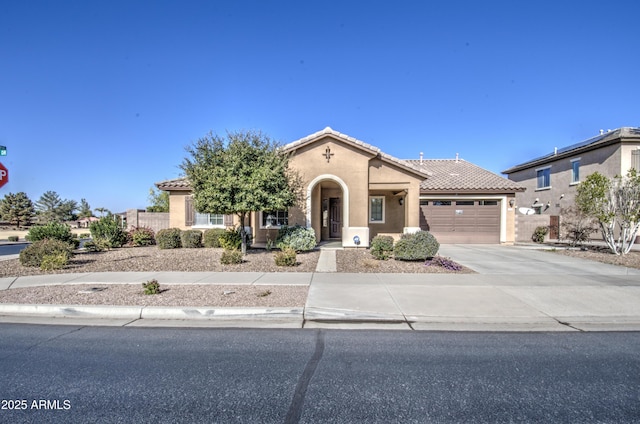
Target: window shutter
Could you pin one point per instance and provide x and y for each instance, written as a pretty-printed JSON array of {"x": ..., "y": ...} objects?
[
  {"x": 189, "y": 213},
  {"x": 228, "y": 220}
]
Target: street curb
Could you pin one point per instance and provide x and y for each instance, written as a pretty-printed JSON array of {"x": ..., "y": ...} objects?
[{"x": 148, "y": 312}]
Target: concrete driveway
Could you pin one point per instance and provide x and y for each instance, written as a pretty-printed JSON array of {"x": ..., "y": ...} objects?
[{"x": 526, "y": 261}]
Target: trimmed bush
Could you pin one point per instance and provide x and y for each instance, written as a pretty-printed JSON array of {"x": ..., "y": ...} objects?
[
  {"x": 382, "y": 247},
  {"x": 211, "y": 237},
  {"x": 52, "y": 230},
  {"x": 286, "y": 257},
  {"x": 169, "y": 238},
  {"x": 13, "y": 238},
  {"x": 35, "y": 254},
  {"x": 231, "y": 257},
  {"x": 142, "y": 236},
  {"x": 230, "y": 240},
  {"x": 298, "y": 238},
  {"x": 539, "y": 234},
  {"x": 416, "y": 246},
  {"x": 191, "y": 239},
  {"x": 53, "y": 262},
  {"x": 108, "y": 231}
]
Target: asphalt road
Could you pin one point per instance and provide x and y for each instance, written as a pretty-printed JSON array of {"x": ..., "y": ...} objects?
[
  {"x": 11, "y": 249},
  {"x": 105, "y": 374}
]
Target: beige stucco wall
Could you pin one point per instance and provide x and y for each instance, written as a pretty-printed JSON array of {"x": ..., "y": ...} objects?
[
  {"x": 355, "y": 174},
  {"x": 561, "y": 194},
  {"x": 177, "y": 209}
]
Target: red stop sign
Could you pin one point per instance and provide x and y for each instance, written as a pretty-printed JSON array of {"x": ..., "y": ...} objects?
[{"x": 4, "y": 175}]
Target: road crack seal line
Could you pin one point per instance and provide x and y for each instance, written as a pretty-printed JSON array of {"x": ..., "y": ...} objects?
[
  {"x": 43, "y": 342},
  {"x": 297, "y": 403}
]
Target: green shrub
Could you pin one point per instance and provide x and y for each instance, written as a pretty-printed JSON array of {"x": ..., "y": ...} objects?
[
  {"x": 231, "y": 257},
  {"x": 108, "y": 230},
  {"x": 151, "y": 287},
  {"x": 230, "y": 239},
  {"x": 191, "y": 238},
  {"x": 34, "y": 254},
  {"x": 382, "y": 247},
  {"x": 211, "y": 237},
  {"x": 85, "y": 235},
  {"x": 169, "y": 238},
  {"x": 539, "y": 233},
  {"x": 298, "y": 238},
  {"x": 52, "y": 262},
  {"x": 416, "y": 246},
  {"x": 52, "y": 230},
  {"x": 92, "y": 246},
  {"x": 142, "y": 236},
  {"x": 13, "y": 238},
  {"x": 286, "y": 257}
]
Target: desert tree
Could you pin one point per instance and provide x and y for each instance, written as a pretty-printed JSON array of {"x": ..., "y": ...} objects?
[
  {"x": 615, "y": 204},
  {"x": 159, "y": 201},
  {"x": 84, "y": 210},
  {"x": 51, "y": 208},
  {"x": 576, "y": 226},
  {"x": 17, "y": 208},
  {"x": 244, "y": 172}
]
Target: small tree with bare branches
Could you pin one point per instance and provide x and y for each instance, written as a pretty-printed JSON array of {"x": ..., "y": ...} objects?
[{"x": 615, "y": 204}]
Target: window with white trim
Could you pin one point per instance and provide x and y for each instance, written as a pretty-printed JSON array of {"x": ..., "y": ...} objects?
[
  {"x": 543, "y": 177},
  {"x": 274, "y": 219},
  {"x": 376, "y": 209},
  {"x": 209, "y": 220},
  {"x": 575, "y": 171}
]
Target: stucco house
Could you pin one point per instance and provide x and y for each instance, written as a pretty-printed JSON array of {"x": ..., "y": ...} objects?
[
  {"x": 551, "y": 180},
  {"x": 354, "y": 191}
]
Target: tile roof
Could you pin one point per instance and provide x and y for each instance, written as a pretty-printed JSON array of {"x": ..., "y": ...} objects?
[
  {"x": 452, "y": 175},
  {"x": 600, "y": 140},
  {"x": 358, "y": 143},
  {"x": 175, "y": 184}
]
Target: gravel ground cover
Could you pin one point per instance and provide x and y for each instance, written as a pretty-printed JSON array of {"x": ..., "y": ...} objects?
[
  {"x": 602, "y": 254},
  {"x": 152, "y": 259},
  {"x": 170, "y": 295}
]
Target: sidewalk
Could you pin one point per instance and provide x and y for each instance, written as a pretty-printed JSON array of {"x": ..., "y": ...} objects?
[{"x": 582, "y": 301}]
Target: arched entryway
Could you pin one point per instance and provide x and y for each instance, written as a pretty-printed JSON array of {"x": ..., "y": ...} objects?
[{"x": 328, "y": 207}]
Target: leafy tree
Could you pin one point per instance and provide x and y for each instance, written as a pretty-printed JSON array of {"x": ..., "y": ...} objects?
[
  {"x": 615, "y": 204},
  {"x": 17, "y": 208},
  {"x": 239, "y": 174},
  {"x": 67, "y": 209},
  {"x": 84, "y": 211},
  {"x": 159, "y": 201}
]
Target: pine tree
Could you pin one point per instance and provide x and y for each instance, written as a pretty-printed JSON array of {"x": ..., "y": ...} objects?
[{"x": 17, "y": 208}]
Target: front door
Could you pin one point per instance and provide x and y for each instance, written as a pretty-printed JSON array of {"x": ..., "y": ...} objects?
[{"x": 335, "y": 218}]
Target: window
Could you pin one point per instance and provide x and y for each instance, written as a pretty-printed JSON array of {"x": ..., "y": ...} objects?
[
  {"x": 635, "y": 159},
  {"x": 272, "y": 219},
  {"x": 544, "y": 178},
  {"x": 209, "y": 220},
  {"x": 376, "y": 209},
  {"x": 424, "y": 202},
  {"x": 575, "y": 171},
  {"x": 488, "y": 203},
  {"x": 442, "y": 203},
  {"x": 464, "y": 203}
]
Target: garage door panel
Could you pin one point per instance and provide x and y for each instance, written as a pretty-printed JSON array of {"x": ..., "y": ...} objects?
[{"x": 450, "y": 222}]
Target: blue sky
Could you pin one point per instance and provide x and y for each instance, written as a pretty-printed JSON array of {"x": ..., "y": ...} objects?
[{"x": 98, "y": 99}]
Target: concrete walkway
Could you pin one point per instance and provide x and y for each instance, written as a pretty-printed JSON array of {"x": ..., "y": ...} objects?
[{"x": 515, "y": 289}]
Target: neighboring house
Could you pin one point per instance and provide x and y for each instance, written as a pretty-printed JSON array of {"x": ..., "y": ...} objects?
[
  {"x": 354, "y": 192},
  {"x": 551, "y": 180}
]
